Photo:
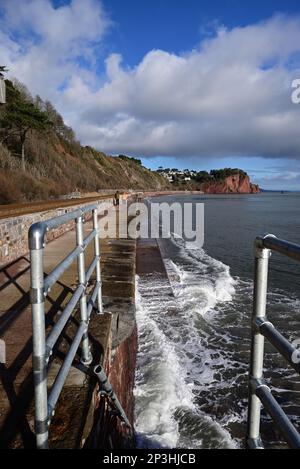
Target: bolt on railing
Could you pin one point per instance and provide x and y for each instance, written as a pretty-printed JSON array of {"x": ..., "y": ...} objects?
[
  {"x": 259, "y": 392},
  {"x": 40, "y": 287}
]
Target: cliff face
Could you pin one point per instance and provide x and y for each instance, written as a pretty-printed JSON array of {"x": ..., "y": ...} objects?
[{"x": 235, "y": 184}]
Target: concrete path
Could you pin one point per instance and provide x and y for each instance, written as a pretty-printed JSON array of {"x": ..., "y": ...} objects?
[{"x": 74, "y": 414}]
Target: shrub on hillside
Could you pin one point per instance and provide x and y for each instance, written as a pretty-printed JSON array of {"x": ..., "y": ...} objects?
[
  {"x": 7, "y": 160},
  {"x": 9, "y": 190},
  {"x": 15, "y": 186}
]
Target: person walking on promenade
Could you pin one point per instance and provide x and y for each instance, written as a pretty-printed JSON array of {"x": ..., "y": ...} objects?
[{"x": 117, "y": 198}]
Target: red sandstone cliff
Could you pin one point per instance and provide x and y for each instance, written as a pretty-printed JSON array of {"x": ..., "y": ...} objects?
[{"x": 236, "y": 184}]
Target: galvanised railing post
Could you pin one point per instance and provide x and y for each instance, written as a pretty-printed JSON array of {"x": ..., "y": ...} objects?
[
  {"x": 97, "y": 254},
  {"x": 262, "y": 256},
  {"x": 40, "y": 286},
  {"x": 39, "y": 365},
  {"x": 86, "y": 357}
]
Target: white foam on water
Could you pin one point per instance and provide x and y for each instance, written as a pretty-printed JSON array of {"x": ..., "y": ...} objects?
[
  {"x": 170, "y": 355},
  {"x": 203, "y": 289},
  {"x": 191, "y": 383},
  {"x": 160, "y": 384},
  {"x": 208, "y": 283},
  {"x": 173, "y": 269}
]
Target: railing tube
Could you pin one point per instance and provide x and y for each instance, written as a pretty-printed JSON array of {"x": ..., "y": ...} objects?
[
  {"x": 262, "y": 256},
  {"x": 286, "y": 248},
  {"x": 63, "y": 372},
  {"x": 61, "y": 323},
  {"x": 279, "y": 342},
  {"x": 283, "y": 423},
  {"x": 42, "y": 347},
  {"x": 39, "y": 343},
  {"x": 97, "y": 254},
  {"x": 106, "y": 387},
  {"x": 86, "y": 357}
]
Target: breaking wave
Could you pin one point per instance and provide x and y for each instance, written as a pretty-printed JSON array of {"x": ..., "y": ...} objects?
[
  {"x": 172, "y": 352},
  {"x": 194, "y": 342}
]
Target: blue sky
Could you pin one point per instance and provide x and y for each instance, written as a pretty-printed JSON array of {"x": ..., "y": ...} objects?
[
  {"x": 179, "y": 25},
  {"x": 199, "y": 84}
]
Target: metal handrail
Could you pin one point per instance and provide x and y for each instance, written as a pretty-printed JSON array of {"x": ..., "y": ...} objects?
[
  {"x": 259, "y": 392},
  {"x": 40, "y": 287},
  {"x": 107, "y": 390}
]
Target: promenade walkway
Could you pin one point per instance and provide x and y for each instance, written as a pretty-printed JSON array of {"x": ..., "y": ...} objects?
[{"x": 74, "y": 415}]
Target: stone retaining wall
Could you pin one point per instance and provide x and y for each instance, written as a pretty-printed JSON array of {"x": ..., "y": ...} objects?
[{"x": 14, "y": 231}]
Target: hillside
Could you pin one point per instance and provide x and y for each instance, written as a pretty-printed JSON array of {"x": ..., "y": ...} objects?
[
  {"x": 53, "y": 162},
  {"x": 54, "y": 169},
  {"x": 40, "y": 159},
  {"x": 222, "y": 181}
]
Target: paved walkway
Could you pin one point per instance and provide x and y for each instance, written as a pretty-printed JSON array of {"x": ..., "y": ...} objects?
[{"x": 16, "y": 386}]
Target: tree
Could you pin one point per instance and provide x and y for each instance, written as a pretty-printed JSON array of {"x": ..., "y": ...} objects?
[
  {"x": 23, "y": 90},
  {"x": 22, "y": 116},
  {"x": 3, "y": 70},
  {"x": 131, "y": 158},
  {"x": 39, "y": 103},
  {"x": 221, "y": 174},
  {"x": 59, "y": 125},
  {"x": 203, "y": 176}
]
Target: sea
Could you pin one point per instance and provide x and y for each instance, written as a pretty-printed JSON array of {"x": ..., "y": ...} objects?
[{"x": 194, "y": 327}]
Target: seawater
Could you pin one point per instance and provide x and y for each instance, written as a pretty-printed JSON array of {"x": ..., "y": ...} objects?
[{"x": 194, "y": 328}]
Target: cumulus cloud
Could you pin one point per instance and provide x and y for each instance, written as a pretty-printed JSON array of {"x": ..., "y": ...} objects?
[
  {"x": 230, "y": 96},
  {"x": 47, "y": 47}
]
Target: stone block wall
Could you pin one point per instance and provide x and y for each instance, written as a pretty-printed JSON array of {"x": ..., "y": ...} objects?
[{"x": 14, "y": 231}]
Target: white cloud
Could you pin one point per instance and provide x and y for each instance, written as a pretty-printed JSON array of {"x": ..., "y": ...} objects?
[
  {"x": 231, "y": 96},
  {"x": 43, "y": 45},
  {"x": 284, "y": 176}
]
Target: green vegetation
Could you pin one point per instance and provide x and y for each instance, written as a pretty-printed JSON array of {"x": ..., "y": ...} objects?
[
  {"x": 130, "y": 158},
  {"x": 203, "y": 176},
  {"x": 20, "y": 117},
  {"x": 221, "y": 174},
  {"x": 218, "y": 174},
  {"x": 40, "y": 157},
  {"x": 191, "y": 177}
]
